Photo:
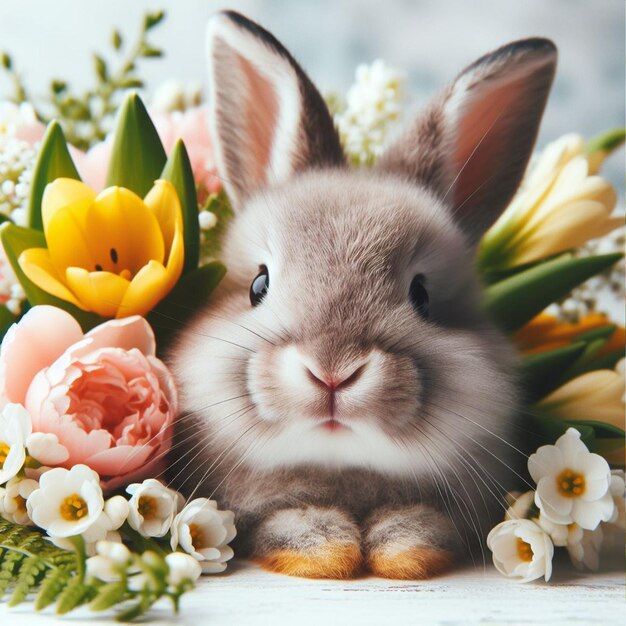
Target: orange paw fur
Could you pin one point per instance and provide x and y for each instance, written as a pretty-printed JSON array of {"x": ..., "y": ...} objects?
[
  {"x": 417, "y": 563},
  {"x": 333, "y": 560}
]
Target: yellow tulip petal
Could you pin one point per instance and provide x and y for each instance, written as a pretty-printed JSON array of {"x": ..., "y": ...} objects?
[
  {"x": 146, "y": 290},
  {"x": 163, "y": 201},
  {"x": 123, "y": 232},
  {"x": 37, "y": 265},
  {"x": 176, "y": 259},
  {"x": 100, "y": 292},
  {"x": 68, "y": 240},
  {"x": 63, "y": 193}
]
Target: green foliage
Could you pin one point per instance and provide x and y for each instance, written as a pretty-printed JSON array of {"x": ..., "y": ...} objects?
[
  {"x": 211, "y": 241},
  {"x": 514, "y": 301},
  {"x": 86, "y": 116},
  {"x": 178, "y": 171},
  {"x": 31, "y": 567},
  {"x": 137, "y": 156},
  {"x": 53, "y": 161}
]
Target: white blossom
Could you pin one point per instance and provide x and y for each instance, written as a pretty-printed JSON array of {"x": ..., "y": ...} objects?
[
  {"x": 207, "y": 220},
  {"x": 45, "y": 448},
  {"x": 174, "y": 95},
  {"x": 15, "y": 427},
  {"x": 373, "y": 104},
  {"x": 572, "y": 483},
  {"x": 521, "y": 550},
  {"x": 13, "y": 500},
  {"x": 204, "y": 532},
  {"x": 68, "y": 502},
  {"x": 520, "y": 506},
  {"x": 110, "y": 560},
  {"x": 152, "y": 507},
  {"x": 181, "y": 568}
]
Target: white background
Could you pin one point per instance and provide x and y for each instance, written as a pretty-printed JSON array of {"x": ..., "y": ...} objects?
[{"x": 431, "y": 39}]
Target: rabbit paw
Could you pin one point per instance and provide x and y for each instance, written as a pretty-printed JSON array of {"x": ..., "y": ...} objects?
[
  {"x": 311, "y": 542},
  {"x": 411, "y": 543}
]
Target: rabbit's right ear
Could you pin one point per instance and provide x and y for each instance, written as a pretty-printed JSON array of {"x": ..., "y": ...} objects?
[{"x": 267, "y": 119}]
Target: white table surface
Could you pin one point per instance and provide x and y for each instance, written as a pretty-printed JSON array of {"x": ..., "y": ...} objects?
[{"x": 249, "y": 595}]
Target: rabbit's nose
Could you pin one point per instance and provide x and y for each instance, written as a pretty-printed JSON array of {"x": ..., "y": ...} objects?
[{"x": 332, "y": 381}]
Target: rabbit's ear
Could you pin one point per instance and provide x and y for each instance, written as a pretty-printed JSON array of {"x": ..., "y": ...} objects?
[
  {"x": 472, "y": 144},
  {"x": 267, "y": 118}
]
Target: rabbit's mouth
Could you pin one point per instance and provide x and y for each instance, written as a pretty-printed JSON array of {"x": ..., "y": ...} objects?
[{"x": 333, "y": 425}]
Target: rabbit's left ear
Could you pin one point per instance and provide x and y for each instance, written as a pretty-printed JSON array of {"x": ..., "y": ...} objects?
[
  {"x": 472, "y": 144},
  {"x": 267, "y": 118}
]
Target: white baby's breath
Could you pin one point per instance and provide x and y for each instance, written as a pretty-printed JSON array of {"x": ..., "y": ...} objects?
[
  {"x": 67, "y": 502},
  {"x": 521, "y": 550},
  {"x": 204, "y": 532},
  {"x": 152, "y": 507},
  {"x": 373, "y": 104},
  {"x": 13, "y": 498},
  {"x": 15, "y": 427},
  {"x": 572, "y": 483}
]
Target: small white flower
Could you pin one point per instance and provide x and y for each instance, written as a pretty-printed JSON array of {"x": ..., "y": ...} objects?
[
  {"x": 68, "y": 502},
  {"x": 521, "y": 506},
  {"x": 110, "y": 560},
  {"x": 585, "y": 552},
  {"x": 45, "y": 448},
  {"x": 13, "y": 500},
  {"x": 182, "y": 567},
  {"x": 15, "y": 427},
  {"x": 521, "y": 550},
  {"x": 207, "y": 220},
  {"x": 572, "y": 483},
  {"x": 152, "y": 507},
  {"x": 203, "y": 531}
]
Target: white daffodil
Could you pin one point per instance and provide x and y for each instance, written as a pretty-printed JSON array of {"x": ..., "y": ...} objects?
[
  {"x": 181, "y": 568},
  {"x": 15, "y": 426},
  {"x": 572, "y": 483},
  {"x": 45, "y": 448},
  {"x": 13, "y": 500},
  {"x": 521, "y": 550},
  {"x": 68, "y": 502},
  {"x": 520, "y": 506},
  {"x": 152, "y": 507},
  {"x": 560, "y": 205},
  {"x": 204, "y": 532},
  {"x": 110, "y": 561}
]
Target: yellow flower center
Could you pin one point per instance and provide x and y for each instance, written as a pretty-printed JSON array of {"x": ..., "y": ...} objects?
[
  {"x": 524, "y": 550},
  {"x": 73, "y": 508},
  {"x": 4, "y": 453},
  {"x": 198, "y": 539},
  {"x": 20, "y": 503},
  {"x": 570, "y": 484},
  {"x": 147, "y": 507}
]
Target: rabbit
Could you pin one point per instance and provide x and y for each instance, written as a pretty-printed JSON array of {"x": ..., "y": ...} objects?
[{"x": 342, "y": 390}]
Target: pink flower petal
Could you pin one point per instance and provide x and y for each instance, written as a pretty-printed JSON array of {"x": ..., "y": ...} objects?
[{"x": 37, "y": 341}]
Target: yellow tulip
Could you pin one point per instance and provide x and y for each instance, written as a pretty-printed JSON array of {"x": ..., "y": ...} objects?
[
  {"x": 595, "y": 396},
  {"x": 561, "y": 204},
  {"x": 112, "y": 253}
]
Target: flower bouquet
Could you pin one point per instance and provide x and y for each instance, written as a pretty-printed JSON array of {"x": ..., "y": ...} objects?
[{"x": 111, "y": 235}]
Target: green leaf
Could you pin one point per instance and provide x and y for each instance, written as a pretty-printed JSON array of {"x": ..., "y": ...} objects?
[
  {"x": 542, "y": 373},
  {"x": 108, "y": 596},
  {"x": 607, "y": 142},
  {"x": 116, "y": 39},
  {"x": 6, "y": 320},
  {"x": 586, "y": 360},
  {"x": 74, "y": 595},
  {"x": 31, "y": 572},
  {"x": 52, "y": 585},
  {"x": 53, "y": 161},
  {"x": 602, "y": 429},
  {"x": 191, "y": 292},
  {"x": 137, "y": 156},
  {"x": 178, "y": 171},
  {"x": 514, "y": 301},
  {"x": 15, "y": 240}
]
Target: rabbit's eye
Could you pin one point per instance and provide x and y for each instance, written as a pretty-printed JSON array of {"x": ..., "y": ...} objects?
[
  {"x": 259, "y": 286},
  {"x": 419, "y": 296}
]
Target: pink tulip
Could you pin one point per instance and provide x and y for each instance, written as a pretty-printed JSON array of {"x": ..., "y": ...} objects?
[{"x": 105, "y": 395}]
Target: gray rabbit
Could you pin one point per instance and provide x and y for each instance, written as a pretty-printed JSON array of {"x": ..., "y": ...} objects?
[{"x": 343, "y": 393}]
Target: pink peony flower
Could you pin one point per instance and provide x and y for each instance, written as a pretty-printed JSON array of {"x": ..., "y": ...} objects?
[{"x": 106, "y": 397}]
